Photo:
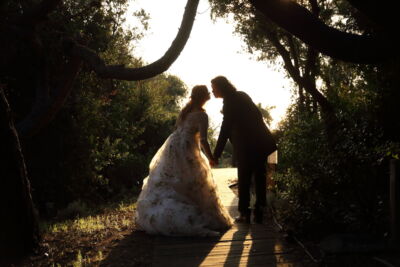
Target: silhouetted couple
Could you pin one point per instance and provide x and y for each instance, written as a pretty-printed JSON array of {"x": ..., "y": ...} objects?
[{"x": 180, "y": 197}]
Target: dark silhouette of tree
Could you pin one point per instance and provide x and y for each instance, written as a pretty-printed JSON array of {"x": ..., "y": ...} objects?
[
  {"x": 22, "y": 28},
  {"x": 300, "y": 61},
  {"x": 310, "y": 35},
  {"x": 371, "y": 47},
  {"x": 21, "y": 22},
  {"x": 372, "y": 41}
]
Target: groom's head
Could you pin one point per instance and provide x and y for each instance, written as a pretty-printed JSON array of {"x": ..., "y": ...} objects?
[{"x": 221, "y": 87}]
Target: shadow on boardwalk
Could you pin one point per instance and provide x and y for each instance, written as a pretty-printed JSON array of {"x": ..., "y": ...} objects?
[
  {"x": 133, "y": 250},
  {"x": 242, "y": 245}
]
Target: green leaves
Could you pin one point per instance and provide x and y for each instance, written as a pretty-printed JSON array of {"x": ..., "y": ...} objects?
[{"x": 319, "y": 181}]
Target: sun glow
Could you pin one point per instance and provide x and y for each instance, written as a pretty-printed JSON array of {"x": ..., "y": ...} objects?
[{"x": 211, "y": 50}]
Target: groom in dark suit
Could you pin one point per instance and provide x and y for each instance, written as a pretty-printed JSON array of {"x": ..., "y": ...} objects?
[{"x": 252, "y": 142}]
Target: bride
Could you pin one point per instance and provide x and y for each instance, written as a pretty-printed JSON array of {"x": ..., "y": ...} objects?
[{"x": 180, "y": 197}]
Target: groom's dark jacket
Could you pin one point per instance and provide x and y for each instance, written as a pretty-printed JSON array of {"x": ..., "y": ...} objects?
[{"x": 244, "y": 126}]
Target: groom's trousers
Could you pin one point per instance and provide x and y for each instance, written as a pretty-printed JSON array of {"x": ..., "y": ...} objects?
[{"x": 252, "y": 164}]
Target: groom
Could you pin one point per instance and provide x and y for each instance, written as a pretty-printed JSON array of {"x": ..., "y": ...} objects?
[{"x": 252, "y": 142}]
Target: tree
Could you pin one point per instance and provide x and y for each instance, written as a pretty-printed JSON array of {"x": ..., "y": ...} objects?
[
  {"x": 338, "y": 53},
  {"x": 28, "y": 23},
  {"x": 368, "y": 37},
  {"x": 18, "y": 212},
  {"x": 373, "y": 46},
  {"x": 46, "y": 105},
  {"x": 300, "y": 61},
  {"x": 341, "y": 30},
  {"x": 266, "y": 113}
]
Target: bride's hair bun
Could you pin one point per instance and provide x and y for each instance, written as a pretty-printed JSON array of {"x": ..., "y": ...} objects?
[{"x": 199, "y": 92}]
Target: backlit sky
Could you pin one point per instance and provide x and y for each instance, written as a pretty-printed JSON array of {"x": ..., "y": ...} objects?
[{"x": 211, "y": 50}]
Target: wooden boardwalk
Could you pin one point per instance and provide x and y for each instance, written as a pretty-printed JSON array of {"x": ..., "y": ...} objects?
[{"x": 242, "y": 245}]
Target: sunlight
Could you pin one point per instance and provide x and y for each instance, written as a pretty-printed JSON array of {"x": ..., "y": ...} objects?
[{"x": 211, "y": 50}]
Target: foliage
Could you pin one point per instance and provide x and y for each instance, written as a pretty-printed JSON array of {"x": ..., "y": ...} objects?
[
  {"x": 100, "y": 144},
  {"x": 107, "y": 140},
  {"x": 342, "y": 188},
  {"x": 266, "y": 113},
  {"x": 336, "y": 180}
]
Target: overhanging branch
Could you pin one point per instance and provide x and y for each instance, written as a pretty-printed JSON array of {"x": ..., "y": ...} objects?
[
  {"x": 340, "y": 45},
  {"x": 121, "y": 72}
]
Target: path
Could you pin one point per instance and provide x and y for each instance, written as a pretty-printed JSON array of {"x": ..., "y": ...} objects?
[{"x": 243, "y": 245}]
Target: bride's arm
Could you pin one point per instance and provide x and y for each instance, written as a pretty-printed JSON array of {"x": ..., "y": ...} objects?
[
  {"x": 207, "y": 150},
  {"x": 203, "y": 138}
]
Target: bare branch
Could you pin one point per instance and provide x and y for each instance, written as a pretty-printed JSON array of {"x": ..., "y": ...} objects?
[
  {"x": 134, "y": 74},
  {"x": 303, "y": 81},
  {"x": 293, "y": 71},
  {"x": 293, "y": 50}
]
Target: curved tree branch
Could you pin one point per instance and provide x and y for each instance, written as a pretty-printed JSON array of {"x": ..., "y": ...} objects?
[
  {"x": 134, "y": 74},
  {"x": 46, "y": 107},
  {"x": 327, "y": 40}
]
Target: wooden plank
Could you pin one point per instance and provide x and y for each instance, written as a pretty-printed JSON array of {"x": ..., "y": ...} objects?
[
  {"x": 253, "y": 260},
  {"x": 226, "y": 238},
  {"x": 242, "y": 245},
  {"x": 247, "y": 247},
  {"x": 260, "y": 263},
  {"x": 237, "y": 232}
]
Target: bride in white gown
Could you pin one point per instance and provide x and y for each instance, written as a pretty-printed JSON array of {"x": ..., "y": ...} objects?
[{"x": 180, "y": 197}]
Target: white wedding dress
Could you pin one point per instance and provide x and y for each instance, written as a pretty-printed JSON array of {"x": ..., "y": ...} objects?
[{"x": 180, "y": 197}]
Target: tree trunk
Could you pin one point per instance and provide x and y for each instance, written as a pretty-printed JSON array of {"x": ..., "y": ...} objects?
[
  {"x": 301, "y": 100},
  {"x": 19, "y": 232}
]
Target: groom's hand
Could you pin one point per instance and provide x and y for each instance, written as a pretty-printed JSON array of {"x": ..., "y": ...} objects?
[
  {"x": 216, "y": 162},
  {"x": 211, "y": 162}
]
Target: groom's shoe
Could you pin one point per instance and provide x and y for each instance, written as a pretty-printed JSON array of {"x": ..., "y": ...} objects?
[{"x": 243, "y": 218}]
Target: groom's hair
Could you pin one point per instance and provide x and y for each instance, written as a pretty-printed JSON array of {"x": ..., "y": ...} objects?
[{"x": 224, "y": 85}]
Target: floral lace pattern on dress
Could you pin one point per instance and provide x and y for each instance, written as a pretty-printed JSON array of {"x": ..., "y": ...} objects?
[{"x": 180, "y": 197}]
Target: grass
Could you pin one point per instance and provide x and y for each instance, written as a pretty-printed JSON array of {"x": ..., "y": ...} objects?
[{"x": 108, "y": 237}]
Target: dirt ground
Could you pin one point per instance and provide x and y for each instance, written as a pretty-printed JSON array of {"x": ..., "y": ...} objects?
[{"x": 119, "y": 243}]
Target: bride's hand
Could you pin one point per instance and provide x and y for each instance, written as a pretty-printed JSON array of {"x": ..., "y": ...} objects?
[{"x": 213, "y": 162}]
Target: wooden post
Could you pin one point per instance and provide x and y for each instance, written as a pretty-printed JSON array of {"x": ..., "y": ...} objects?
[
  {"x": 271, "y": 168},
  {"x": 395, "y": 200}
]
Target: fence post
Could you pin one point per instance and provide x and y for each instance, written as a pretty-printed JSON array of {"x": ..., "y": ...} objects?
[
  {"x": 394, "y": 200},
  {"x": 272, "y": 161}
]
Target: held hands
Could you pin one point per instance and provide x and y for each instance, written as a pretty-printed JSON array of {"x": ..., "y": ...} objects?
[{"x": 213, "y": 162}]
